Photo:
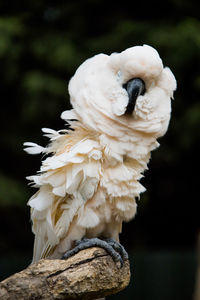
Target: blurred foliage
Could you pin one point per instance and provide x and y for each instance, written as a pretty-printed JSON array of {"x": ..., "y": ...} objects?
[
  {"x": 41, "y": 45},
  {"x": 11, "y": 190}
]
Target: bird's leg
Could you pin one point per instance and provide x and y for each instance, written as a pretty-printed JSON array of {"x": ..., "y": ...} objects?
[{"x": 112, "y": 247}]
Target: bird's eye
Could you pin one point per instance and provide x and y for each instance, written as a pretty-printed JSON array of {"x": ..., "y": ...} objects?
[{"x": 134, "y": 87}]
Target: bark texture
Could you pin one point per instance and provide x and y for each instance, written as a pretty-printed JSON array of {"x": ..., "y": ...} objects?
[{"x": 90, "y": 274}]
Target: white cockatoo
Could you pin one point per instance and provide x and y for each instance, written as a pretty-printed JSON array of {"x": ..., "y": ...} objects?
[{"x": 89, "y": 182}]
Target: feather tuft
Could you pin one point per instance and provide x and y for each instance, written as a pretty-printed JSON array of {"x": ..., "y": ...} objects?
[{"x": 33, "y": 148}]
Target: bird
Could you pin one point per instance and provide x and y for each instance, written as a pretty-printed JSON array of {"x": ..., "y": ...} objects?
[{"x": 89, "y": 180}]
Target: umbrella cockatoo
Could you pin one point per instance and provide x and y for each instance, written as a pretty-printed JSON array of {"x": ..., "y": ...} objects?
[{"x": 89, "y": 182}]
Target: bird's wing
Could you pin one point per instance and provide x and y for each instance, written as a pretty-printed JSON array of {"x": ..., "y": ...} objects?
[{"x": 66, "y": 181}]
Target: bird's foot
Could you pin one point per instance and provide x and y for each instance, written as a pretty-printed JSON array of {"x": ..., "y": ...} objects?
[{"x": 112, "y": 247}]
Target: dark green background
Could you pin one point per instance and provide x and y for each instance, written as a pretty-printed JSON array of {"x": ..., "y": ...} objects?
[{"x": 41, "y": 45}]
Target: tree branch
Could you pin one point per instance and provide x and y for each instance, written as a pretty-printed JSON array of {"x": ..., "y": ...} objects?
[{"x": 90, "y": 274}]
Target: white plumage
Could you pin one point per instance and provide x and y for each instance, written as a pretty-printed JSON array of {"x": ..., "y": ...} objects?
[{"x": 89, "y": 185}]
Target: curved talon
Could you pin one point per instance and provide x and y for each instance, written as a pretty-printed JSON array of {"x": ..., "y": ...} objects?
[
  {"x": 118, "y": 247},
  {"x": 113, "y": 248}
]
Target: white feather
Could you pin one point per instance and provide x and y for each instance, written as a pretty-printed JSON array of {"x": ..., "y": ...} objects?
[
  {"x": 33, "y": 148},
  {"x": 68, "y": 115},
  {"x": 50, "y": 133},
  {"x": 88, "y": 219},
  {"x": 42, "y": 199}
]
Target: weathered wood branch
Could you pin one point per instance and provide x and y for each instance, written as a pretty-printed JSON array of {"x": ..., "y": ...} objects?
[{"x": 90, "y": 274}]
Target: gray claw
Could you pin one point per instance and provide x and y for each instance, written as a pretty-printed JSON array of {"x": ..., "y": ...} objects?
[{"x": 116, "y": 251}]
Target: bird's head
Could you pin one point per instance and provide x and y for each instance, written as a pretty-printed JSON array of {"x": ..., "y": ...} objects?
[{"x": 124, "y": 92}]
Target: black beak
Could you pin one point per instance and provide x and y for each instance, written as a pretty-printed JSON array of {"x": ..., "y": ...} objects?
[{"x": 134, "y": 87}]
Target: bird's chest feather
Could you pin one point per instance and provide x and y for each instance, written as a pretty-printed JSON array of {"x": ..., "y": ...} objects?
[
  {"x": 121, "y": 172},
  {"x": 119, "y": 184}
]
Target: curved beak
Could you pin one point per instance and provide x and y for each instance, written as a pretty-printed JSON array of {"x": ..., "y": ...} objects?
[{"x": 134, "y": 87}]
